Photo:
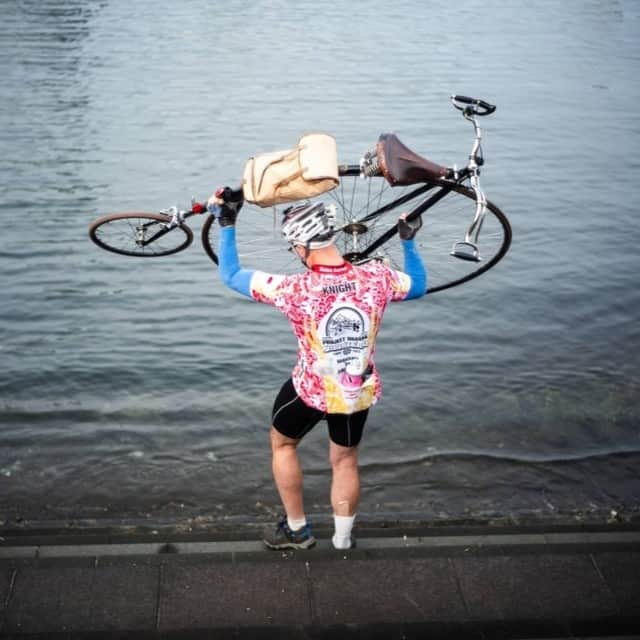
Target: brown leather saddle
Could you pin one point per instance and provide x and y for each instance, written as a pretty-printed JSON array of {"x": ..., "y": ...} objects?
[{"x": 401, "y": 166}]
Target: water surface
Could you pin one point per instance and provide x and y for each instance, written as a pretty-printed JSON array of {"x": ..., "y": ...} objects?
[{"x": 143, "y": 388}]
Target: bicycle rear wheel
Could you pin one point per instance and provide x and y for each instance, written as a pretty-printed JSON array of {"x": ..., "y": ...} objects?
[
  {"x": 444, "y": 223},
  {"x": 367, "y": 211},
  {"x": 143, "y": 235}
]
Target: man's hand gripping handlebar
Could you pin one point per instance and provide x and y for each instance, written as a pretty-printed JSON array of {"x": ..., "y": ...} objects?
[{"x": 225, "y": 204}]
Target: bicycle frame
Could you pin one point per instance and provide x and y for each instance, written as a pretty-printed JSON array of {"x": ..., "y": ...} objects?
[
  {"x": 466, "y": 249},
  {"x": 358, "y": 226},
  {"x": 447, "y": 194}
]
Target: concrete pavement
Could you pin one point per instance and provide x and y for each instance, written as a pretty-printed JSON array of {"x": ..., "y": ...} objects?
[{"x": 471, "y": 582}]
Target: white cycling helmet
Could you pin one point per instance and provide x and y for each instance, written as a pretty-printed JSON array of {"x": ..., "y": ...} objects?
[{"x": 309, "y": 225}]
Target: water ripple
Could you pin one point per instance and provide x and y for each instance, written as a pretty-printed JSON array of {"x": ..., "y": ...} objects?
[{"x": 125, "y": 373}]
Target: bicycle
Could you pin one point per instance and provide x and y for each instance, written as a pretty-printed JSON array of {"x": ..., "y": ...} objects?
[{"x": 387, "y": 179}]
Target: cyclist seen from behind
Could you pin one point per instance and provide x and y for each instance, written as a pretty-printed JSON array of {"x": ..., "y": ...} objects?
[{"x": 335, "y": 309}]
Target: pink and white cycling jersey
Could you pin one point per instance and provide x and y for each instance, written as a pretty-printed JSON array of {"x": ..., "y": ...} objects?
[{"x": 335, "y": 313}]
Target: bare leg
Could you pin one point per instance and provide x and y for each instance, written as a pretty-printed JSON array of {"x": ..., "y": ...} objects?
[
  {"x": 345, "y": 485},
  {"x": 287, "y": 473}
]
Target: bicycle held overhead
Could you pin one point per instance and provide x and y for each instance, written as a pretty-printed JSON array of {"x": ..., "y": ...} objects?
[{"x": 464, "y": 233}]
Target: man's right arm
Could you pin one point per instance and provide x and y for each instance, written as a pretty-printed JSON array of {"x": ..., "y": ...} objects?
[
  {"x": 225, "y": 205},
  {"x": 231, "y": 273}
]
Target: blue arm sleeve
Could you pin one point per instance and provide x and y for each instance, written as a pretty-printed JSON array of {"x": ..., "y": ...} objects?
[
  {"x": 415, "y": 269},
  {"x": 231, "y": 273}
]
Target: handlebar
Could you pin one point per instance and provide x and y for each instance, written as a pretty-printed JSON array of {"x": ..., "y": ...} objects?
[
  {"x": 225, "y": 193},
  {"x": 230, "y": 195},
  {"x": 474, "y": 106}
]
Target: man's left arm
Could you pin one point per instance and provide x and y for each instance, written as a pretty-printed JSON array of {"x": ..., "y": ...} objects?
[
  {"x": 415, "y": 269},
  {"x": 413, "y": 265}
]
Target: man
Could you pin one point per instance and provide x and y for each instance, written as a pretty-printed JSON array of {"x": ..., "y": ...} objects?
[{"x": 335, "y": 309}]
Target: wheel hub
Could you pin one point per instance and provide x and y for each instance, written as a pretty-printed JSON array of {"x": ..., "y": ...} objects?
[
  {"x": 352, "y": 256},
  {"x": 355, "y": 228}
]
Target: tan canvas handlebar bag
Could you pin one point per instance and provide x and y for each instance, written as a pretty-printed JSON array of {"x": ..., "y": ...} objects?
[{"x": 311, "y": 168}]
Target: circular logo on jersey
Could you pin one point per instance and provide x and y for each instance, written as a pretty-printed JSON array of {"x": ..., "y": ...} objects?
[{"x": 344, "y": 329}]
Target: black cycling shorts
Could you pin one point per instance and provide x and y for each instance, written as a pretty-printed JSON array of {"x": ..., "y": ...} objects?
[{"x": 293, "y": 418}]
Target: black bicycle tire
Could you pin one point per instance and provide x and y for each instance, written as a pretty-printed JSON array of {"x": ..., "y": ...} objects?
[
  {"x": 206, "y": 243},
  {"x": 506, "y": 242},
  {"x": 464, "y": 191},
  {"x": 161, "y": 217},
  {"x": 449, "y": 186}
]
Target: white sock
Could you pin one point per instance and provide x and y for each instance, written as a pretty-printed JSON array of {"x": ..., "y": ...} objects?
[
  {"x": 294, "y": 525},
  {"x": 342, "y": 536}
]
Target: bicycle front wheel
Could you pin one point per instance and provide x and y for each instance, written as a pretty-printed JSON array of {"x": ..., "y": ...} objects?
[{"x": 143, "y": 235}]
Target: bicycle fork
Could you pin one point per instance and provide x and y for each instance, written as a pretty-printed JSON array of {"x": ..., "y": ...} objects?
[{"x": 142, "y": 230}]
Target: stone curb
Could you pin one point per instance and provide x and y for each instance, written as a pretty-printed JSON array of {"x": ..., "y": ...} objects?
[{"x": 404, "y": 543}]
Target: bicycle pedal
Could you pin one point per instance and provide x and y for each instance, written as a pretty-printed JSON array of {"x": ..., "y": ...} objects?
[{"x": 466, "y": 251}]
